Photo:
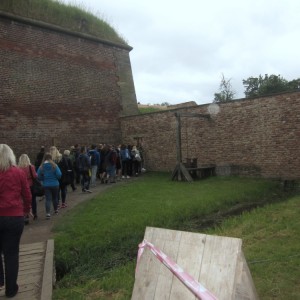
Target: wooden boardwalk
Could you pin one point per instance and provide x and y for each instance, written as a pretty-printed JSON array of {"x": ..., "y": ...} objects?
[{"x": 36, "y": 272}]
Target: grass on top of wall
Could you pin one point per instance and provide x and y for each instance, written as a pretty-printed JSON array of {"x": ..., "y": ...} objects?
[
  {"x": 75, "y": 17},
  {"x": 96, "y": 243}
]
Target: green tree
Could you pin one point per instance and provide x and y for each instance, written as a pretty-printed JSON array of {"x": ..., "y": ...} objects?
[
  {"x": 226, "y": 92},
  {"x": 262, "y": 86}
]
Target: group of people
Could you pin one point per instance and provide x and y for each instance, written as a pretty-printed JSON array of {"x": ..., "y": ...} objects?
[
  {"x": 106, "y": 163},
  {"x": 56, "y": 171}
]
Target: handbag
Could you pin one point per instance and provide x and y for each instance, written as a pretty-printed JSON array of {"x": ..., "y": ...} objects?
[
  {"x": 37, "y": 188},
  {"x": 138, "y": 157}
]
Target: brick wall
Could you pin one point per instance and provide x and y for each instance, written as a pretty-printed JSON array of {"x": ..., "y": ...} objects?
[
  {"x": 63, "y": 88},
  {"x": 259, "y": 137},
  {"x": 59, "y": 87}
]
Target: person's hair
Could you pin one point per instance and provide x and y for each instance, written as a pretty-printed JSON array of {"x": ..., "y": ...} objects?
[
  {"x": 7, "y": 157},
  {"x": 56, "y": 155},
  {"x": 48, "y": 157},
  {"x": 67, "y": 152},
  {"x": 24, "y": 161},
  {"x": 82, "y": 149}
]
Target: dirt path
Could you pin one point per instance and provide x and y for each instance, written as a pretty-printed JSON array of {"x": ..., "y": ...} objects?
[{"x": 41, "y": 229}]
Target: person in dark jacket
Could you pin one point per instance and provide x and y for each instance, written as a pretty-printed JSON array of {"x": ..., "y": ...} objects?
[
  {"x": 84, "y": 167},
  {"x": 15, "y": 202},
  {"x": 67, "y": 176},
  {"x": 95, "y": 162},
  {"x": 39, "y": 158}
]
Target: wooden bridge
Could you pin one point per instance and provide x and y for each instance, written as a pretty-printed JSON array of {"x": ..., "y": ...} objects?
[{"x": 36, "y": 272}]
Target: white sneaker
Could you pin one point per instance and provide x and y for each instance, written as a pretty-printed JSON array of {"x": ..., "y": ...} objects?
[{"x": 128, "y": 177}]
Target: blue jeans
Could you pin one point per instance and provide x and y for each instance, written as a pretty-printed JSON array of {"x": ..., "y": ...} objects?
[
  {"x": 85, "y": 180},
  {"x": 11, "y": 229},
  {"x": 111, "y": 170},
  {"x": 94, "y": 170},
  {"x": 51, "y": 195},
  {"x": 63, "y": 193}
]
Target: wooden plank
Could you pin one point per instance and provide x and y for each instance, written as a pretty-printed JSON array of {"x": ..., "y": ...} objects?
[
  {"x": 189, "y": 260},
  {"x": 185, "y": 173},
  {"x": 31, "y": 247},
  {"x": 32, "y": 259},
  {"x": 171, "y": 242},
  {"x": 219, "y": 263},
  {"x": 32, "y": 278},
  {"x": 48, "y": 274},
  {"x": 146, "y": 274},
  {"x": 175, "y": 172},
  {"x": 245, "y": 289},
  {"x": 215, "y": 262}
]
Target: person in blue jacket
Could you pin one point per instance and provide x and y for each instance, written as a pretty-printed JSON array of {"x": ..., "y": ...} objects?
[{"x": 49, "y": 173}]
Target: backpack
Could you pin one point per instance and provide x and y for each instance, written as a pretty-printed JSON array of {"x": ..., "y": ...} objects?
[
  {"x": 82, "y": 163},
  {"x": 124, "y": 154},
  {"x": 93, "y": 158},
  {"x": 65, "y": 166}
]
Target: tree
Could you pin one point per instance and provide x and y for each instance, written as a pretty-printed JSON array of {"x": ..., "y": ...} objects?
[
  {"x": 226, "y": 92},
  {"x": 262, "y": 86}
]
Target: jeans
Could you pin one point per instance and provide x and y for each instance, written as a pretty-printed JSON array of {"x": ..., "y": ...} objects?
[
  {"x": 125, "y": 167},
  {"x": 33, "y": 205},
  {"x": 94, "y": 174},
  {"x": 11, "y": 229},
  {"x": 85, "y": 180},
  {"x": 63, "y": 193},
  {"x": 51, "y": 195},
  {"x": 111, "y": 171}
]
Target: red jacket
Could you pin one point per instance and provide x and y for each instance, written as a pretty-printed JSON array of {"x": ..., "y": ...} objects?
[{"x": 15, "y": 195}]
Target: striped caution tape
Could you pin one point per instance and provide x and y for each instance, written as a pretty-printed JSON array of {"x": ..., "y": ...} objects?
[{"x": 194, "y": 286}]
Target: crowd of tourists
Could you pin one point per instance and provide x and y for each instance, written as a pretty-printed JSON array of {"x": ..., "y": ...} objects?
[{"x": 53, "y": 172}]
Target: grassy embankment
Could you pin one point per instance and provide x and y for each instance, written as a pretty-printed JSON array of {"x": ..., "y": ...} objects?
[
  {"x": 96, "y": 243},
  {"x": 75, "y": 17}
]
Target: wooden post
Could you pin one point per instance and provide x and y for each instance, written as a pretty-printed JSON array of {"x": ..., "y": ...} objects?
[{"x": 178, "y": 138}]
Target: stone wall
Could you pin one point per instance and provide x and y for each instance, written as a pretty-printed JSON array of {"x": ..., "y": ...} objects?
[
  {"x": 59, "y": 87},
  {"x": 256, "y": 137}
]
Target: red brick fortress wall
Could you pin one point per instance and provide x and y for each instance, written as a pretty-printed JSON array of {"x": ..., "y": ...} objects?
[
  {"x": 258, "y": 137},
  {"x": 61, "y": 88}
]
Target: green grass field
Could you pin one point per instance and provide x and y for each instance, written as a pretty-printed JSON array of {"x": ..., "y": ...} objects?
[{"x": 96, "y": 244}]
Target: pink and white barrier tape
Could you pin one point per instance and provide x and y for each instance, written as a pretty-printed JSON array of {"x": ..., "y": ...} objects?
[{"x": 195, "y": 287}]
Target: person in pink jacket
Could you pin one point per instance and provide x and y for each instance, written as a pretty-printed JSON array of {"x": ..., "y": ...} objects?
[{"x": 15, "y": 202}]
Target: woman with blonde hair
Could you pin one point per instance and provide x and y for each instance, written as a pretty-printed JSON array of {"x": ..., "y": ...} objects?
[
  {"x": 29, "y": 170},
  {"x": 56, "y": 155},
  {"x": 49, "y": 173},
  {"x": 15, "y": 201}
]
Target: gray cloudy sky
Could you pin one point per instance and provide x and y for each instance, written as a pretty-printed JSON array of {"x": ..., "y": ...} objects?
[{"x": 181, "y": 48}]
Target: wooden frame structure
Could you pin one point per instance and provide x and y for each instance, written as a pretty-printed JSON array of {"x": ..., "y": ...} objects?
[{"x": 181, "y": 173}]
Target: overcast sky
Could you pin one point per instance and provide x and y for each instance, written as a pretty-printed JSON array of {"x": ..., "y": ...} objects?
[{"x": 182, "y": 48}]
